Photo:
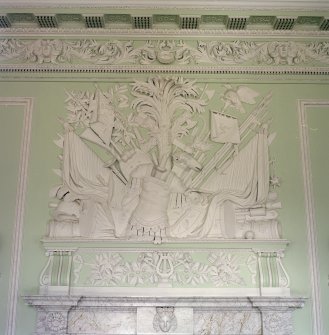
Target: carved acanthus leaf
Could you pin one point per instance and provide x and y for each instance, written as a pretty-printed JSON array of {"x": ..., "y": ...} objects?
[{"x": 225, "y": 52}]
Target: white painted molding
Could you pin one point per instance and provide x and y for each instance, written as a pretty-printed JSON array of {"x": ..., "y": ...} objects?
[
  {"x": 27, "y": 104},
  {"x": 161, "y": 33},
  {"x": 190, "y": 4},
  {"x": 303, "y": 105},
  {"x": 32, "y": 70}
]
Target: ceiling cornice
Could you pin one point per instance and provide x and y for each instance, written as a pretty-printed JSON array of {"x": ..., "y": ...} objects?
[{"x": 186, "y": 4}]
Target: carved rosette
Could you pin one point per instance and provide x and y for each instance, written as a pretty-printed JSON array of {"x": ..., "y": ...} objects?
[
  {"x": 51, "y": 322},
  {"x": 56, "y": 321},
  {"x": 277, "y": 323}
]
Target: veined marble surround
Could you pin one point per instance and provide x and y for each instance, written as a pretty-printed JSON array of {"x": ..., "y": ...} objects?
[{"x": 164, "y": 315}]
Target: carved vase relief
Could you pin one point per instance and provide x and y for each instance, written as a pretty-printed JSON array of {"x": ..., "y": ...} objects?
[{"x": 150, "y": 161}]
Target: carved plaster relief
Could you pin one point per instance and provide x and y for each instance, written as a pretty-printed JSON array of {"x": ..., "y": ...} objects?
[
  {"x": 143, "y": 162},
  {"x": 165, "y": 52},
  {"x": 163, "y": 269}
]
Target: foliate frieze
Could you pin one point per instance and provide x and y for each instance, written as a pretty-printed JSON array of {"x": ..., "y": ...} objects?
[
  {"x": 163, "y": 269},
  {"x": 163, "y": 52},
  {"x": 268, "y": 53},
  {"x": 62, "y": 51}
]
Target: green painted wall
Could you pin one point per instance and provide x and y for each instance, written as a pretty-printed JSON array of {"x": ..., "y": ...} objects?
[{"x": 49, "y": 105}]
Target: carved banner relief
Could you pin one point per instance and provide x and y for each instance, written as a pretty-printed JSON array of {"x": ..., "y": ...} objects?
[{"x": 152, "y": 161}]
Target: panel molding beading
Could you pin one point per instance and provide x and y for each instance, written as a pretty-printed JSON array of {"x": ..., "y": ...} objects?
[
  {"x": 27, "y": 104},
  {"x": 303, "y": 105}
]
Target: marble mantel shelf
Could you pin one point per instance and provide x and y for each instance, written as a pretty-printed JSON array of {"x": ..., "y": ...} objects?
[
  {"x": 182, "y": 301},
  {"x": 155, "y": 315}
]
